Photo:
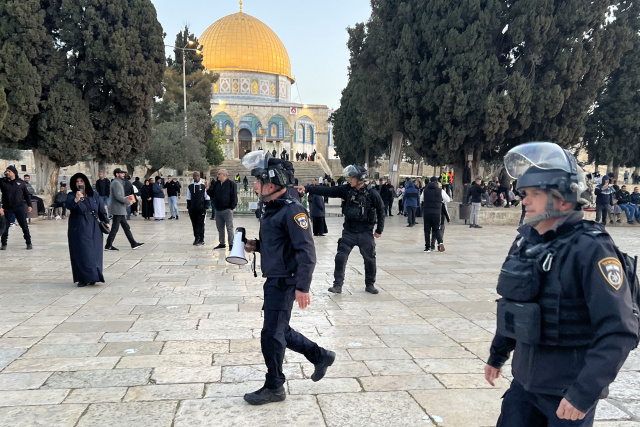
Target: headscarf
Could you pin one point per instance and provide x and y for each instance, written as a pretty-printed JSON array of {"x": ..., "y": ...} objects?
[{"x": 87, "y": 184}]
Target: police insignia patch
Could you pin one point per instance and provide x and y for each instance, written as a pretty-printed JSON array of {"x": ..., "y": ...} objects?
[
  {"x": 302, "y": 220},
  {"x": 611, "y": 269}
]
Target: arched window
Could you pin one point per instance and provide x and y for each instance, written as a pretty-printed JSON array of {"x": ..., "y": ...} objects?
[
  {"x": 301, "y": 133},
  {"x": 274, "y": 130}
]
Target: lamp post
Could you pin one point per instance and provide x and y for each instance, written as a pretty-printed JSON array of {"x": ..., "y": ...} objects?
[{"x": 184, "y": 76}]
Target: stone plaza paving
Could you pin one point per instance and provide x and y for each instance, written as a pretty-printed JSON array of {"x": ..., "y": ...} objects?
[{"x": 172, "y": 337}]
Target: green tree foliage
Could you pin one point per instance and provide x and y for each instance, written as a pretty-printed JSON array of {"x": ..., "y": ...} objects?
[
  {"x": 198, "y": 86},
  {"x": 80, "y": 77},
  {"x": 214, "y": 153},
  {"x": 192, "y": 59},
  {"x": 171, "y": 148},
  {"x": 361, "y": 124},
  {"x": 4, "y": 107},
  {"x": 613, "y": 127},
  {"x": 10, "y": 153}
]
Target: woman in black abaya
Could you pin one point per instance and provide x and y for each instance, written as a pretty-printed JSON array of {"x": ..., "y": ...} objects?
[
  {"x": 146, "y": 196},
  {"x": 85, "y": 237}
]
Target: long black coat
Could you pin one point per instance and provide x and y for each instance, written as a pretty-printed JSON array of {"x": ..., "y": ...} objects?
[
  {"x": 316, "y": 205},
  {"x": 85, "y": 238}
]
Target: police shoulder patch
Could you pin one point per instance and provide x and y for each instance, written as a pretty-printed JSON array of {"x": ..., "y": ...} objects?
[
  {"x": 611, "y": 269},
  {"x": 302, "y": 220}
]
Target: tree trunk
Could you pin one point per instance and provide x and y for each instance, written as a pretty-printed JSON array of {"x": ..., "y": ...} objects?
[
  {"x": 130, "y": 170},
  {"x": 366, "y": 158},
  {"x": 616, "y": 172},
  {"x": 47, "y": 176},
  {"x": 92, "y": 170},
  {"x": 610, "y": 167},
  {"x": 420, "y": 168},
  {"x": 637, "y": 170},
  {"x": 395, "y": 158}
]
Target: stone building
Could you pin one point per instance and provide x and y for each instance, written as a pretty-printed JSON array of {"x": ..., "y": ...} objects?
[{"x": 251, "y": 101}]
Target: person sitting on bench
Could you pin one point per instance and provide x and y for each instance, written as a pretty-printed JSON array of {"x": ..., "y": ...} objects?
[{"x": 60, "y": 201}]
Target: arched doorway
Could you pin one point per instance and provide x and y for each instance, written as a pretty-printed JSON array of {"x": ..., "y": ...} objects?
[{"x": 244, "y": 137}]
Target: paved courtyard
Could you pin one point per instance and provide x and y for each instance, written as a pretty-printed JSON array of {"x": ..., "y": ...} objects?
[{"x": 172, "y": 337}]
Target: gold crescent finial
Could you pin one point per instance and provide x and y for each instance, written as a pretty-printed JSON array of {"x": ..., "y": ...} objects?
[{"x": 240, "y": 6}]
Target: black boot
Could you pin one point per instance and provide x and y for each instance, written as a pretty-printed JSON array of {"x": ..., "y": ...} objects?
[
  {"x": 371, "y": 289},
  {"x": 321, "y": 368},
  {"x": 265, "y": 395},
  {"x": 335, "y": 289}
]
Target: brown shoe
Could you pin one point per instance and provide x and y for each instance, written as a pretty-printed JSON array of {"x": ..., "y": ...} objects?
[{"x": 441, "y": 247}]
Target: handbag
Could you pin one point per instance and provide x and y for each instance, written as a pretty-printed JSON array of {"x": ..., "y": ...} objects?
[{"x": 104, "y": 227}]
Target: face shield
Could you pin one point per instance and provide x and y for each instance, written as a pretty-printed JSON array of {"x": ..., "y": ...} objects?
[
  {"x": 255, "y": 160},
  {"x": 542, "y": 155},
  {"x": 350, "y": 171}
]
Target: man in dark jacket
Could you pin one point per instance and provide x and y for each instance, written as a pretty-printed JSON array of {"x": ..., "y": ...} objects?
[
  {"x": 224, "y": 196},
  {"x": 197, "y": 198},
  {"x": 363, "y": 209},
  {"x": 505, "y": 184},
  {"x": 475, "y": 194},
  {"x": 432, "y": 209},
  {"x": 173, "y": 194},
  {"x": 635, "y": 201},
  {"x": 571, "y": 328},
  {"x": 604, "y": 199},
  {"x": 316, "y": 205},
  {"x": 466, "y": 182},
  {"x": 137, "y": 183},
  {"x": 624, "y": 201},
  {"x": 14, "y": 196},
  {"x": 60, "y": 201},
  {"x": 103, "y": 187}
]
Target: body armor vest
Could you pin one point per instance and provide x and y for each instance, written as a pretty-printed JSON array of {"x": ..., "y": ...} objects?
[
  {"x": 358, "y": 207},
  {"x": 532, "y": 309}
]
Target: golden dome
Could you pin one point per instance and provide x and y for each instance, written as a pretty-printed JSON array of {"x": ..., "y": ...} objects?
[{"x": 240, "y": 42}]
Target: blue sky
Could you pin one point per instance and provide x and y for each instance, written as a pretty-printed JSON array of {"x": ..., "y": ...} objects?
[{"x": 314, "y": 33}]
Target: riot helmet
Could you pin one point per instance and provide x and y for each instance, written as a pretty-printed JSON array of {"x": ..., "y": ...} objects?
[
  {"x": 547, "y": 166},
  {"x": 353, "y": 171},
  {"x": 268, "y": 169}
]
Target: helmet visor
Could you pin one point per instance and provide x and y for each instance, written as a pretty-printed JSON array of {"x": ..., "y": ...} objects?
[
  {"x": 255, "y": 159},
  {"x": 543, "y": 155},
  {"x": 350, "y": 170}
]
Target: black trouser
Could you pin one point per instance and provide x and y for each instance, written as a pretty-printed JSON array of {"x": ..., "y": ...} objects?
[
  {"x": 277, "y": 335},
  {"x": 365, "y": 241},
  {"x": 197, "y": 222},
  {"x": 21, "y": 217},
  {"x": 524, "y": 211},
  {"x": 431, "y": 225},
  {"x": 465, "y": 193},
  {"x": 434, "y": 237},
  {"x": 525, "y": 409},
  {"x": 411, "y": 214},
  {"x": 60, "y": 205},
  {"x": 505, "y": 191},
  {"x": 39, "y": 204},
  {"x": 602, "y": 211},
  {"x": 115, "y": 227},
  {"x": 388, "y": 205}
]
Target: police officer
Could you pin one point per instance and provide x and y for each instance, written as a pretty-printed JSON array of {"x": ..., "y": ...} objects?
[
  {"x": 363, "y": 209},
  {"x": 287, "y": 261},
  {"x": 565, "y": 307},
  {"x": 14, "y": 196}
]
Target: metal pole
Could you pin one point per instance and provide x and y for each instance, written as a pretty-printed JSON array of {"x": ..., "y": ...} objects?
[{"x": 184, "y": 89}]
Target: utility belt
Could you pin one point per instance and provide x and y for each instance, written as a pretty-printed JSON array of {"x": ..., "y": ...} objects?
[{"x": 532, "y": 309}]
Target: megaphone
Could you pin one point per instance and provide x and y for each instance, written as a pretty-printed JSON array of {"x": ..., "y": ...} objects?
[{"x": 236, "y": 256}]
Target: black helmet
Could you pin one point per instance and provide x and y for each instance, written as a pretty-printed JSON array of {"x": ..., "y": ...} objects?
[
  {"x": 269, "y": 169},
  {"x": 547, "y": 166},
  {"x": 355, "y": 171}
]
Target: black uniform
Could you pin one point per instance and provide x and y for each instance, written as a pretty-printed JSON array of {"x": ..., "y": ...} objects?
[
  {"x": 288, "y": 263},
  {"x": 363, "y": 209},
  {"x": 196, "y": 205},
  {"x": 573, "y": 325},
  {"x": 14, "y": 197}
]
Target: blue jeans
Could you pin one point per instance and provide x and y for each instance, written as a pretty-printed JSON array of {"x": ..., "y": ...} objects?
[
  {"x": 173, "y": 205},
  {"x": 105, "y": 201},
  {"x": 628, "y": 209}
]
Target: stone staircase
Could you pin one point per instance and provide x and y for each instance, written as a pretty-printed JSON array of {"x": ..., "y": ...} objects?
[{"x": 304, "y": 171}]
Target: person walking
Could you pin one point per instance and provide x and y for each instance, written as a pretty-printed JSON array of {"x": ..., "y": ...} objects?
[
  {"x": 363, "y": 209},
  {"x": 316, "y": 204},
  {"x": 213, "y": 208},
  {"x": 245, "y": 183},
  {"x": 444, "y": 216},
  {"x": 197, "y": 200},
  {"x": 146, "y": 196},
  {"x": 158, "y": 200},
  {"x": 288, "y": 259},
  {"x": 224, "y": 195},
  {"x": 475, "y": 194},
  {"x": 173, "y": 195},
  {"x": 84, "y": 235},
  {"x": 103, "y": 186},
  {"x": 565, "y": 307},
  {"x": 119, "y": 211},
  {"x": 432, "y": 208},
  {"x": 14, "y": 197},
  {"x": 411, "y": 197}
]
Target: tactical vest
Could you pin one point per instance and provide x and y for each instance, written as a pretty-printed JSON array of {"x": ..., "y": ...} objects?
[
  {"x": 532, "y": 309},
  {"x": 358, "y": 207}
]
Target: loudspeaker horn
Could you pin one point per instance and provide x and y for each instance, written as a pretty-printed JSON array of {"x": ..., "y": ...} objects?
[{"x": 237, "y": 254}]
